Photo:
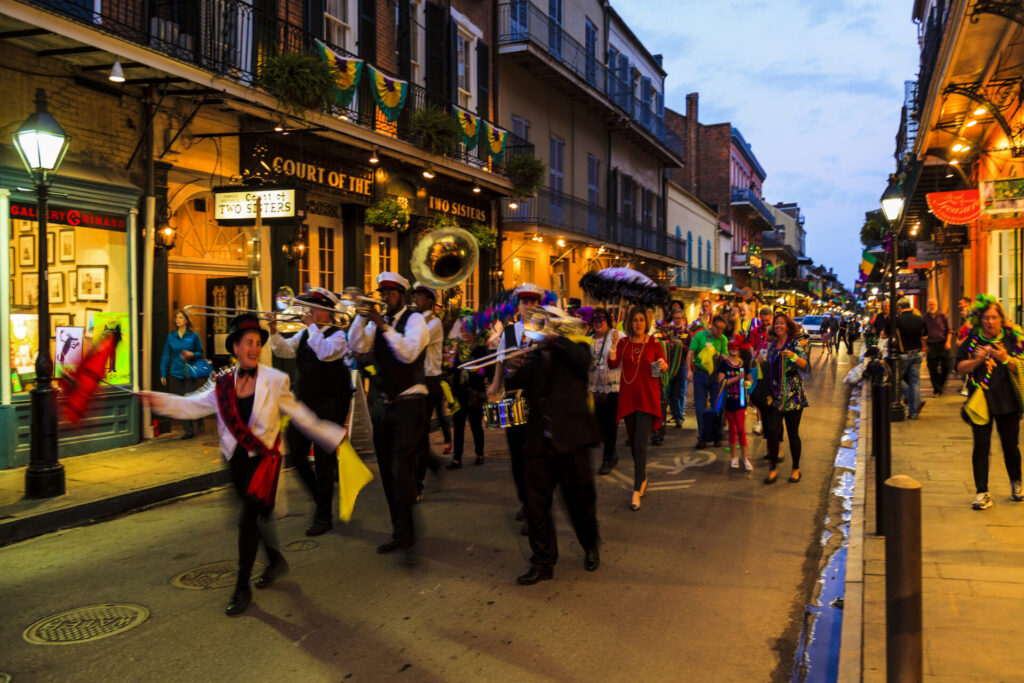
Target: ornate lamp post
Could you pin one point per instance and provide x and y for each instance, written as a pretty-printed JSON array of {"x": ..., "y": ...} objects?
[
  {"x": 892, "y": 207},
  {"x": 42, "y": 144}
]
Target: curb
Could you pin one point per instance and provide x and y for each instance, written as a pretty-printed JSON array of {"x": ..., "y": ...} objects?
[
  {"x": 851, "y": 648},
  {"x": 23, "y": 528}
]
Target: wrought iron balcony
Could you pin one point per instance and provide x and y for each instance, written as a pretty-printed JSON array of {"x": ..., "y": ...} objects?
[
  {"x": 233, "y": 39},
  {"x": 699, "y": 278},
  {"x": 521, "y": 21},
  {"x": 754, "y": 206},
  {"x": 579, "y": 217}
]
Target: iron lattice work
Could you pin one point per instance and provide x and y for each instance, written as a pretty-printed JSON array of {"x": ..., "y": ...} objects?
[
  {"x": 1008, "y": 9},
  {"x": 997, "y": 96}
]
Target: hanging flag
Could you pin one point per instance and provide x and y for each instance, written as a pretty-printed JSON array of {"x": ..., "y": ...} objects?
[
  {"x": 867, "y": 263},
  {"x": 469, "y": 127},
  {"x": 390, "y": 94},
  {"x": 494, "y": 139},
  {"x": 349, "y": 72}
]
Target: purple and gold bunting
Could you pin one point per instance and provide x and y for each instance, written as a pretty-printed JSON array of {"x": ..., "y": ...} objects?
[
  {"x": 349, "y": 71},
  {"x": 494, "y": 139},
  {"x": 390, "y": 94},
  {"x": 469, "y": 127}
]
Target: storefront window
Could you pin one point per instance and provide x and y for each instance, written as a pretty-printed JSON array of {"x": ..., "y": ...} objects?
[{"x": 89, "y": 299}]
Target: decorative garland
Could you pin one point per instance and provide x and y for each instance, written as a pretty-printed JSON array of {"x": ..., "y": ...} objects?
[
  {"x": 390, "y": 94},
  {"x": 494, "y": 139},
  {"x": 349, "y": 71},
  {"x": 469, "y": 127}
]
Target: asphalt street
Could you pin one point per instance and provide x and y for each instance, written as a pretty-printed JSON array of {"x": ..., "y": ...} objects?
[{"x": 707, "y": 581}]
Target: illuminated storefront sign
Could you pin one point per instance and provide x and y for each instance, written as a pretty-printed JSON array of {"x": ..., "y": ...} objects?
[{"x": 238, "y": 204}]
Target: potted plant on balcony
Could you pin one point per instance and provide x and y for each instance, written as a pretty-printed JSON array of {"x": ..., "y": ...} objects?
[
  {"x": 526, "y": 173},
  {"x": 299, "y": 81},
  {"x": 435, "y": 130},
  {"x": 485, "y": 235},
  {"x": 389, "y": 215}
]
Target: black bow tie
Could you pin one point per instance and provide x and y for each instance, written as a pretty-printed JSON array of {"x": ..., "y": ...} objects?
[{"x": 242, "y": 372}]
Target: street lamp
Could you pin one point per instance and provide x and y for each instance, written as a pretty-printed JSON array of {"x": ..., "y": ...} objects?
[
  {"x": 42, "y": 144},
  {"x": 892, "y": 207}
]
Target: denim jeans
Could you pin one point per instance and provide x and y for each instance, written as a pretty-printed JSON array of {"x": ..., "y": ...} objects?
[
  {"x": 703, "y": 393},
  {"x": 910, "y": 381},
  {"x": 677, "y": 394}
]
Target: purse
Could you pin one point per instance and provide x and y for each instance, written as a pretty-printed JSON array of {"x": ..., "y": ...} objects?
[
  {"x": 199, "y": 369},
  {"x": 975, "y": 410}
]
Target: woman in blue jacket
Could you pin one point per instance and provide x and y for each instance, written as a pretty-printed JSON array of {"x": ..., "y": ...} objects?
[{"x": 182, "y": 346}]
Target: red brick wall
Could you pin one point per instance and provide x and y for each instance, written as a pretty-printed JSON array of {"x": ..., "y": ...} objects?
[{"x": 387, "y": 36}]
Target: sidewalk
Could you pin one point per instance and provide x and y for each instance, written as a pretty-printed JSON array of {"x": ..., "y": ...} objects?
[{"x": 973, "y": 561}]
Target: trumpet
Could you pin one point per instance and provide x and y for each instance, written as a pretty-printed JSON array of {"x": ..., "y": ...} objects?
[
  {"x": 544, "y": 323},
  {"x": 349, "y": 305}
]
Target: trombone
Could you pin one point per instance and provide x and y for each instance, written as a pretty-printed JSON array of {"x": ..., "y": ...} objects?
[{"x": 542, "y": 324}]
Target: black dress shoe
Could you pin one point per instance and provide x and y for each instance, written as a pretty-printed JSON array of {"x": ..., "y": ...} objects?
[
  {"x": 702, "y": 444},
  {"x": 592, "y": 560},
  {"x": 391, "y": 546},
  {"x": 535, "y": 576},
  {"x": 319, "y": 526},
  {"x": 606, "y": 467},
  {"x": 277, "y": 569},
  {"x": 185, "y": 437},
  {"x": 479, "y": 460},
  {"x": 453, "y": 465},
  {"x": 240, "y": 600}
]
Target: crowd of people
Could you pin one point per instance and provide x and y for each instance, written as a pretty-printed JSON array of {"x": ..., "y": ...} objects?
[{"x": 560, "y": 394}]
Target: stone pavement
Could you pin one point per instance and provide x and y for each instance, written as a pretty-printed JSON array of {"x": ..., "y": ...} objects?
[{"x": 973, "y": 561}]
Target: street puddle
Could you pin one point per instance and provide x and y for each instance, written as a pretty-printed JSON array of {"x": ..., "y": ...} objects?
[{"x": 817, "y": 655}]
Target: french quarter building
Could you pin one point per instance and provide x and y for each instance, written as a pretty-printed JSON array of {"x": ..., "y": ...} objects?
[
  {"x": 578, "y": 84},
  {"x": 189, "y": 144}
]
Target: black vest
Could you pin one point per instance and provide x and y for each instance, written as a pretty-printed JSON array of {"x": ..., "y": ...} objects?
[
  {"x": 393, "y": 375},
  {"x": 321, "y": 381}
]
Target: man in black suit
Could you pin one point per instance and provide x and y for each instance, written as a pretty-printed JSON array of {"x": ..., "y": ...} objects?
[{"x": 559, "y": 432}]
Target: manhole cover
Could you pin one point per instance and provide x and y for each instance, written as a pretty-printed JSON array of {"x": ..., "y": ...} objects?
[
  {"x": 85, "y": 623},
  {"x": 216, "y": 575},
  {"x": 297, "y": 546}
]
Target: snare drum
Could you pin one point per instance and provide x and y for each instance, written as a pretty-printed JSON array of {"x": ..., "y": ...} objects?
[{"x": 508, "y": 412}]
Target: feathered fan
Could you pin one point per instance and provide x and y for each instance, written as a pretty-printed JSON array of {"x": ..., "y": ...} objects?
[{"x": 611, "y": 284}]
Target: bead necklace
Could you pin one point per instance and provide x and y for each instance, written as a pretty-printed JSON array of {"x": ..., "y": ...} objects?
[{"x": 637, "y": 355}]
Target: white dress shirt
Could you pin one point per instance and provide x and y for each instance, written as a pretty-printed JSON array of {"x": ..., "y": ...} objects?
[
  {"x": 432, "y": 361},
  {"x": 407, "y": 347},
  {"x": 325, "y": 348}
]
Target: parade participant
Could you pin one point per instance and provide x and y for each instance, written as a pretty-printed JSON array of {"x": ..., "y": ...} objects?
[
  {"x": 732, "y": 372},
  {"x": 250, "y": 400},
  {"x": 182, "y": 346},
  {"x": 757, "y": 341},
  {"x": 677, "y": 386},
  {"x": 786, "y": 359},
  {"x": 604, "y": 385},
  {"x": 910, "y": 334},
  {"x": 993, "y": 359},
  {"x": 558, "y": 434},
  {"x": 939, "y": 341},
  {"x": 424, "y": 299},
  {"x": 703, "y": 320},
  {"x": 469, "y": 388},
  {"x": 398, "y": 339},
  {"x": 642, "y": 361},
  {"x": 527, "y": 296},
  {"x": 572, "y": 307},
  {"x": 706, "y": 348},
  {"x": 325, "y": 385}
]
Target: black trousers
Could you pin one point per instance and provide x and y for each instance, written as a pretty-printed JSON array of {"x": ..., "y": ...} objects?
[
  {"x": 182, "y": 386},
  {"x": 397, "y": 431},
  {"x": 573, "y": 472},
  {"x": 320, "y": 476},
  {"x": 848, "y": 340},
  {"x": 516, "y": 437},
  {"x": 474, "y": 414},
  {"x": 638, "y": 427},
  {"x": 1008, "y": 427},
  {"x": 938, "y": 364},
  {"x": 425, "y": 459},
  {"x": 254, "y": 524},
  {"x": 606, "y": 411},
  {"x": 773, "y": 419}
]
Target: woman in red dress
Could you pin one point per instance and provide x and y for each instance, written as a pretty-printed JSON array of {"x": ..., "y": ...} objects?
[{"x": 639, "y": 391}]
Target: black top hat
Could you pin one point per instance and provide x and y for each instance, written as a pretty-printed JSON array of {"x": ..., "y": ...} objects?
[
  {"x": 574, "y": 303},
  {"x": 239, "y": 325}
]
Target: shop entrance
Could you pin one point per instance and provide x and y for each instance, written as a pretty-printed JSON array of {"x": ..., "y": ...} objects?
[{"x": 224, "y": 292}]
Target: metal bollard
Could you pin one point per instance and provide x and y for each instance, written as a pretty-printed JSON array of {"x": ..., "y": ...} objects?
[
  {"x": 881, "y": 438},
  {"x": 903, "y": 648}
]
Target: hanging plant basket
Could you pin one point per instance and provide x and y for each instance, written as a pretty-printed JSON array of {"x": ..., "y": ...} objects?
[
  {"x": 300, "y": 81},
  {"x": 526, "y": 173},
  {"x": 486, "y": 236},
  {"x": 389, "y": 215},
  {"x": 436, "y": 129}
]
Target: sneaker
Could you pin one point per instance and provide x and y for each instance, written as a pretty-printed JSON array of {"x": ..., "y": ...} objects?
[
  {"x": 758, "y": 428},
  {"x": 1015, "y": 491},
  {"x": 747, "y": 466},
  {"x": 982, "y": 501},
  {"x": 963, "y": 392},
  {"x": 734, "y": 463}
]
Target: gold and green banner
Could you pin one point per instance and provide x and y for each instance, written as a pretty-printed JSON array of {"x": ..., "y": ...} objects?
[
  {"x": 349, "y": 71},
  {"x": 390, "y": 94},
  {"x": 469, "y": 127},
  {"x": 494, "y": 139}
]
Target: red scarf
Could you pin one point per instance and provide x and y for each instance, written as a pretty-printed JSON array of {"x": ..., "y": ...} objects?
[{"x": 263, "y": 485}]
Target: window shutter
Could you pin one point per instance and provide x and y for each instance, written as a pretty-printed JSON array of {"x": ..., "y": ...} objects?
[
  {"x": 368, "y": 30},
  {"x": 483, "y": 80},
  {"x": 404, "y": 40},
  {"x": 436, "y": 33},
  {"x": 315, "y": 17},
  {"x": 451, "y": 91}
]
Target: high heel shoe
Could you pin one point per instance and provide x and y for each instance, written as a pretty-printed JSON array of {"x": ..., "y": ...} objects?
[
  {"x": 795, "y": 477},
  {"x": 643, "y": 488},
  {"x": 772, "y": 476},
  {"x": 635, "y": 503}
]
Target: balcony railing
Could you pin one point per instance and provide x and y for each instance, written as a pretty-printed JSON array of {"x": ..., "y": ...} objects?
[
  {"x": 935, "y": 29},
  {"x": 748, "y": 196},
  {"x": 234, "y": 39},
  {"x": 521, "y": 21},
  {"x": 698, "y": 277},
  {"x": 565, "y": 212}
]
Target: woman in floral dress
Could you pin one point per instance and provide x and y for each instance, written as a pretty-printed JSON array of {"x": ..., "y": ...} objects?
[{"x": 786, "y": 360}]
